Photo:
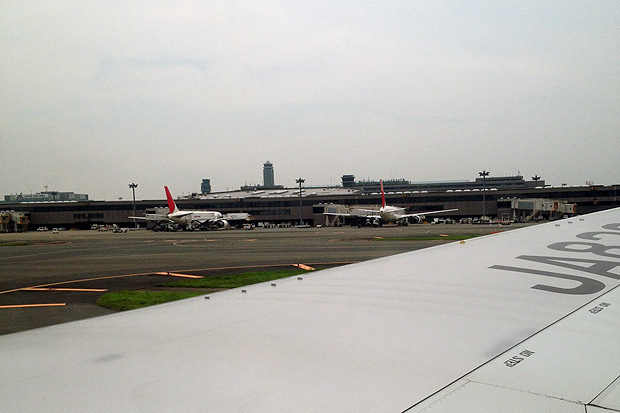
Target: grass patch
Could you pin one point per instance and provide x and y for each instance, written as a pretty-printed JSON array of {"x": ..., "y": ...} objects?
[
  {"x": 431, "y": 238},
  {"x": 234, "y": 280},
  {"x": 13, "y": 244},
  {"x": 129, "y": 300}
]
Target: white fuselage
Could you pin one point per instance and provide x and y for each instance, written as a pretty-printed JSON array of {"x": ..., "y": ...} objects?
[
  {"x": 188, "y": 219},
  {"x": 390, "y": 213},
  {"x": 184, "y": 218}
]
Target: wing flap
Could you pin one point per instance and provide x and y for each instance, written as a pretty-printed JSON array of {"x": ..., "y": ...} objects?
[
  {"x": 610, "y": 397},
  {"x": 472, "y": 397},
  {"x": 550, "y": 362},
  {"x": 572, "y": 363},
  {"x": 421, "y": 214}
]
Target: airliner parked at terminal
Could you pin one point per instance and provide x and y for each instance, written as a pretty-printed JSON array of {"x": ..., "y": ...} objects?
[
  {"x": 193, "y": 219},
  {"x": 388, "y": 213}
]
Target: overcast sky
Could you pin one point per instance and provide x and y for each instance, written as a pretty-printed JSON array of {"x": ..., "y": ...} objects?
[{"x": 98, "y": 94}]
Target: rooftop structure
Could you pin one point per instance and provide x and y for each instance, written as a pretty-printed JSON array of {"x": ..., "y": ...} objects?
[
  {"x": 499, "y": 182},
  {"x": 268, "y": 180},
  {"x": 280, "y": 192},
  {"x": 46, "y": 196}
]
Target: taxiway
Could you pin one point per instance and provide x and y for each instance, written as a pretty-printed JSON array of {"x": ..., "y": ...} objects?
[{"x": 50, "y": 278}]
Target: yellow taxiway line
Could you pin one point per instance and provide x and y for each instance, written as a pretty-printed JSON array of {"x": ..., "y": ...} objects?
[
  {"x": 176, "y": 274},
  {"x": 304, "y": 267},
  {"x": 88, "y": 290},
  {"x": 33, "y": 305}
]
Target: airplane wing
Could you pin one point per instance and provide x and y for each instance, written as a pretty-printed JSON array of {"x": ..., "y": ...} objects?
[
  {"x": 369, "y": 216},
  {"x": 156, "y": 218},
  {"x": 421, "y": 214},
  {"x": 204, "y": 221},
  {"x": 526, "y": 320},
  {"x": 369, "y": 211},
  {"x": 181, "y": 214},
  {"x": 372, "y": 214},
  {"x": 337, "y": 214}
]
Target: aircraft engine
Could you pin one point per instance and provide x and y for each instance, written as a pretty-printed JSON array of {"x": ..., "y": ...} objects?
[
  {"x": 416, "y": 219},
  {"x": 222, "y": 223}
]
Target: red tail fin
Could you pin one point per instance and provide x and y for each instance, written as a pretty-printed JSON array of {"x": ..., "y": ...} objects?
[
  {"x": 382, "y": 195},
  {"x": 172, "y": 206}
]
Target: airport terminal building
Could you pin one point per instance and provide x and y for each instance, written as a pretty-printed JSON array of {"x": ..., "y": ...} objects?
[{"x": 497, "y": 197}]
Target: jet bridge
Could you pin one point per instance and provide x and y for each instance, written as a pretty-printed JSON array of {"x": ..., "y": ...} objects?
[
  {"x": 12, "y": 221},
  {"x": 338, "y": 214},
  {"x": 525, "y": 210}
]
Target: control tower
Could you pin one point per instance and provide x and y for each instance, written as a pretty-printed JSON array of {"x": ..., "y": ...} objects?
[
  {"x": 205, "y": 187},
  {"x": 268, "y": 179}
]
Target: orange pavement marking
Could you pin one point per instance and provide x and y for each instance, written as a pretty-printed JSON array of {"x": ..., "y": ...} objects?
[
  {"x": 268, "y": 265},
  {"x": 79, "y": 281},
  {"x": 176, "y": 274},
  {"x": 33, "y": 305},
  {"x": 94, "y": 290},
  {"x": 149, "y": 273}
]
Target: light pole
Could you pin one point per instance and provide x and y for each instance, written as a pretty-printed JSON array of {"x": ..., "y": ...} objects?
[
  {"x": 300, "y": 181},
  {"x": 133, "y": 189},
  {"x": 483, "y": 174}
]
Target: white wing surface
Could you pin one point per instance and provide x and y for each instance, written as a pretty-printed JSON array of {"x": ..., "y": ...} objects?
[
  {"x": 338, "y": 214},
  {"x": 523, "y": 321},
  {"x": 421, "y": 214}
]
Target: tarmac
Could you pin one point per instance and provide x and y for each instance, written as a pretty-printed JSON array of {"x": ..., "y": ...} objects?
[{"x": 49, "y": 278}]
